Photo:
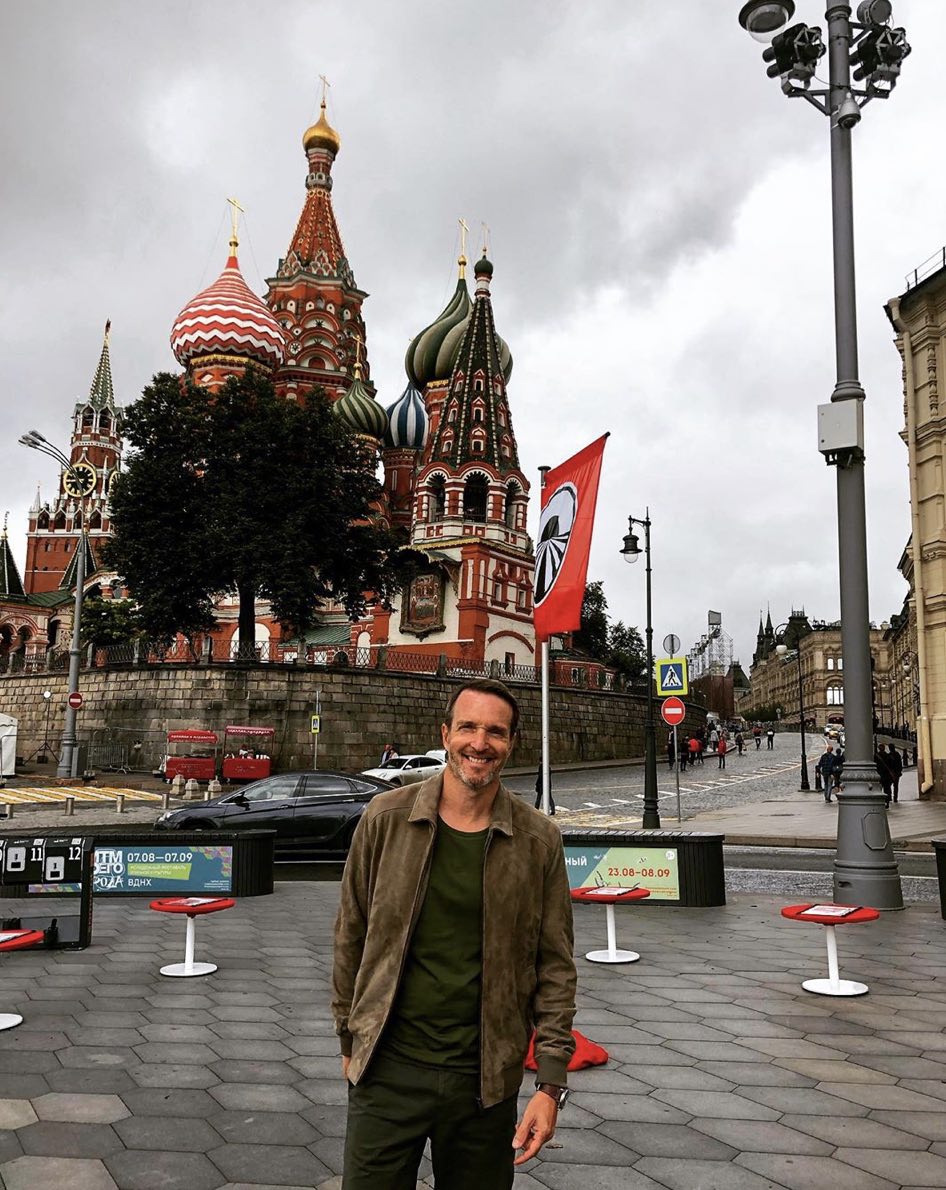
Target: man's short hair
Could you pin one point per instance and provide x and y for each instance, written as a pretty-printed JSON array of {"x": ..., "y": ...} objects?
[{"x": 486, "y": 686}]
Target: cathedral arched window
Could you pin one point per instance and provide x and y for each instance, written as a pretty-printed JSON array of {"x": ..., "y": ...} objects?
[
  {"x": 477, "y": 446},
  {"x": 60, "y": 521},
  {"x": 77, "y": 520},
  {"x": 95, "y": 520},
  {"x": 452, "y": 413},
  {"x": 437, "y": 500},
  {"x": 834, "y": 695},
  {"x": 475, "y": 494},
  {"x": 478, "y": 413},
  {"x": 42, "y": 521},
  {"x": 105, "y": 422},
  {"x": 509, "y": 510},
  {"x": 88, "y": 418}
]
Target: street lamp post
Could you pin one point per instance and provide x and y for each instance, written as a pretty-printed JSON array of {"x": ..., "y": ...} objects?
[
  {"x": 804, "y": 785},
  {"x": 631, "y": 551},
  {"x": 78, "y": 476},
  {"x": 865, "y": 871}
]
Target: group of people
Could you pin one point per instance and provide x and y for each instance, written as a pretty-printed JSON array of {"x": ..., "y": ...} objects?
[
  {"x": 690, "y": 748},
  {"x": 887, "y": 761}
]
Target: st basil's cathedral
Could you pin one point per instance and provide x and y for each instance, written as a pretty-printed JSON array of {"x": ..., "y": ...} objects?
[{"x": 447, "y": 446}]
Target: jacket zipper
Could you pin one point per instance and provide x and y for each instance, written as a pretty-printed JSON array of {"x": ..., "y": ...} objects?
[{"x": 415, "y": 912}]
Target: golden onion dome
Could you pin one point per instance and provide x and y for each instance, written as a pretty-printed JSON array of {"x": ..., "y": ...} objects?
[{"x": 321, "y": 135}]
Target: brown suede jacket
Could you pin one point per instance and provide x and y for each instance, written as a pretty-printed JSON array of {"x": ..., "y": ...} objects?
[{"x": 529, "y": 973}]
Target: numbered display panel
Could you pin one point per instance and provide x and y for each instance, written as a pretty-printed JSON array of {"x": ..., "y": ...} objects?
[{"x": 50, "y": 861}]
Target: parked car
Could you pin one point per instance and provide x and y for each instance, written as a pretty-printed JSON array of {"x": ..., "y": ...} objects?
[
  {"x": 314, "y": 813},
  {"x": 402, "y": 770},
  {"x": 438, "y": 753}
]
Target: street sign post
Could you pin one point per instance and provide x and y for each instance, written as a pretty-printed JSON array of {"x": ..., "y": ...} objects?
[
  {"x": 75, "y": 700},
  {"x": 315, "y": 727},
  {"x": 673, "y": 711}
]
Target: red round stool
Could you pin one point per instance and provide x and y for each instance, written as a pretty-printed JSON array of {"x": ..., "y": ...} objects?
[
  {"x": 609, "y": 897},
  {"x": 16, "y": 940},
  {"x": 193, "y": 907},
  {"x": 831, "y": 917}
]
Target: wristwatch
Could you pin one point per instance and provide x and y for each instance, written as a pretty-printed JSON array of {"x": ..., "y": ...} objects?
[{"x": 559, "y": 1094}]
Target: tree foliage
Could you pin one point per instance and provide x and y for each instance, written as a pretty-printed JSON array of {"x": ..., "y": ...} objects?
[
  {"x": 245, "y": 492},
  {"x": 109, "y": 622},
  {"x": 614, "y": 644}
]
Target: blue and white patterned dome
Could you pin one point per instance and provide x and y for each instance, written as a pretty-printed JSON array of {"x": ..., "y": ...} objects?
[{"x": 407, "y": 421}]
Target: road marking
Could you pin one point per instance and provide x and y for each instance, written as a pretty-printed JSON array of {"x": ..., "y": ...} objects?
[{"x": 54, "y": 795}]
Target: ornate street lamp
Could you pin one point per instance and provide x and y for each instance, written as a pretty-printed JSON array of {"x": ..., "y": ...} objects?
[
  {"x": 804, "y": 786},
  {"x": 631, "y": 551},
  {"x": 79, "y": 478},
  {"x": 864, "y": 60}
]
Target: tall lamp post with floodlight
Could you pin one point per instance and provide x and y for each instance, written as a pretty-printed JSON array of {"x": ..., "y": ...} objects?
[
  {"x": 804, "y": 785},
  {"x": 79, "y": 480},
  {"x": 631, "y": 551},
  {"x": 865, "y": 871}
]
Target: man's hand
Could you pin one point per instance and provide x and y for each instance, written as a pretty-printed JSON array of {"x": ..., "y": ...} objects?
[
  {"x": 536, "y": 1126},
  {"x": 346, "y": 1062}
]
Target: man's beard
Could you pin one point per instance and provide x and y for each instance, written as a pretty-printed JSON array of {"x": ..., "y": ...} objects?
[{"x": 473, "y": 781}]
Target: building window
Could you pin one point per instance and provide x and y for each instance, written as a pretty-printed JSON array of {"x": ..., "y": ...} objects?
[
  {"x": 474, "y": 498},
  {"x": 829, "y": 664},
  {"x": 478, "y": 414},
  {"x": 509, "y": 512},
  {"x": 437, "y": 499},
  {"x": 509, "y": 664},
  {"x": 835, "y": 695}
]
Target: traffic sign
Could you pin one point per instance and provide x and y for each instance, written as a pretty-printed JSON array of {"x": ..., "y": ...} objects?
[
  {"x": 672, "y": 711},
  {"x": 672, "y": 676},
  {"x": 671, "y": 643},
  {"x": 75, "y": 700},
  {"x": 316, "y": 724}
]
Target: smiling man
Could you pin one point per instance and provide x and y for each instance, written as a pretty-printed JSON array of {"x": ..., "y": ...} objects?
[{"x": 453, "y": 942}]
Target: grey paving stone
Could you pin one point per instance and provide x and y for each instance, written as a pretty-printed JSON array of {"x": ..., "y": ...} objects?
[
  {"x": 330, "y": 1150},
  {"x": 170, "y": 1075},
  {"x": 237, "y": 1012},
  {"x": 80, "y": 1108},
  {"x": 177, "y": 1032},
  {"x": 761, "y": 1136},
  {"x": 855, "y": 1132},
  {"x": 156, "y": 1101},
  {"x": 582, "y": 1147},
  {"x": 642, "y": 1108},
  {"x": 142, "y": 1169},
  {"x": 329, "y": 1119},
  {"x": 24, "y": 1061},
  {"x": 286, "y": 1165},
  {"x": 253, "y": 1030},
  {"x": 803, "y": 1101},
  {"x": 926, "y": 1086},
  {"x": 265, "y": 1128},
  {"x": 666, "y": 1140},
  {"x": 580, "y": 1177},
  {"x": 10, "y": 1148},
  {"x": 904, "y": 1066},
  {"x": 684, "y": 1077},
  {"x": 54, "y": 1139},
  {"x": 234, "y": 1071},
  {"x": 253, "y": 1051},
  {"x": 180, "y": 1016},
  {"x": 32, "y": 1039},
  {"x": 90, "y": 1057},
  {"x": 848, "y": 1071},
  {"x": 110, "y": 1020},
  {"x": 16, "y": 1113},
  {"x": 260, "y": 1097},
  {"x": 925, "y": 1124},
  {"x": 183, "y": 1134},
  {"x": 711, "y": 1051},
  {"x": 53, "y": 1173},
  {"x": 812, "y": 1173},
  {"x": 922, "y": 1169},
  {"x": 92, "y": 1082},
  {"x": 721, "y": 1105},
  {"x": 88, "y": 1035},
  {"x": 886, "y": 1097},
  {"x": 676, "y": 1173},
  {"x": 174, "y": 1053}
]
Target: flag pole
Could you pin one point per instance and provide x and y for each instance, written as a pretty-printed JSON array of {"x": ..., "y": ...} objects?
[{"x": 546, "y": 759}]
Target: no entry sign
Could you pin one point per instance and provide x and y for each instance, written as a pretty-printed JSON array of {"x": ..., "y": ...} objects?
[
  {"x": 75, "y": 700},
  {"x": 672, "y": 711}
]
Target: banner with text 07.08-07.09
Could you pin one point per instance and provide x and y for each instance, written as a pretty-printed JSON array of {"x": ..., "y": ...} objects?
[{"x": 569, "y": 495}]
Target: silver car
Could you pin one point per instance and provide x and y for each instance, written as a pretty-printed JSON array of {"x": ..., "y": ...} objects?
[{"x": 403, "y": 770}]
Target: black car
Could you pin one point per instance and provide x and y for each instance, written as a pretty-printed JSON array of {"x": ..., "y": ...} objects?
[{"x": 313, "y": 813}]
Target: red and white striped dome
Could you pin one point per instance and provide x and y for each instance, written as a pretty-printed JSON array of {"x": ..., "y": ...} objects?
[{"x": 227, "y": 318}]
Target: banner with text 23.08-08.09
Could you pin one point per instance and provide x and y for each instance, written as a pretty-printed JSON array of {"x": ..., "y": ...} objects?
[{"x": 569, "y": 496}]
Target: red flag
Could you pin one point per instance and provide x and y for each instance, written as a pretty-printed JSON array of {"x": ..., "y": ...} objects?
[{"x": 561, "y": 553}]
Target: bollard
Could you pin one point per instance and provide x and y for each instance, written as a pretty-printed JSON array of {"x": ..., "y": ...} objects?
[
  {"x": 165, "y": 800},
  {"x": 177, "y": 785},
  {"x": 9, "y": 809},
  {"x": 70, "y": 806},
  {"x": 214, "y": 788},
  {"x": 207, "y": 794},
  {"x": 191, "y": 790},
  {"x": 119, "y": 803}
]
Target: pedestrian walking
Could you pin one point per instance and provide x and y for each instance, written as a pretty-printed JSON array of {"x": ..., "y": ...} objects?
[
  {"x": 671, "y": 750},
  {"x": 694, "y": 749},
  {"x": 838, "y": 771},
  {"x": 721, "y": 749},
  {"x": 740, "y": 742},
  {"x": 883, "y": 771},
  {"x": 714, "y": 740},
  {"x": 825, "y": 767},
  {"x": 770, "y": 739},
  {"x": 757, "y": 736},
  {"x": 453, "y": 942},
  {"x": 538, "y": 791},
  {"x": 684, "y": 752},
  {"x": 389, "y": 753},
  {"x": 895, "y": 764}
]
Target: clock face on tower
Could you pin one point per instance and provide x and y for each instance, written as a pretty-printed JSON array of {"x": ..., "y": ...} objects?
[{"x": 79, "y": 480}]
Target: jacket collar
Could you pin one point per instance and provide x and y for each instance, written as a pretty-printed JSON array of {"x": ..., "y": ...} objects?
[{"x": 427, "y": 800}]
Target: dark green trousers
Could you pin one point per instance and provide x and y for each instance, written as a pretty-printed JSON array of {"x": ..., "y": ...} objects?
[{"x": 397, "y": 1107}]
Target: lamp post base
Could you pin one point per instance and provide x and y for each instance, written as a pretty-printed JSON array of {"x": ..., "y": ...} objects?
[{"x": 865, "y": 870}]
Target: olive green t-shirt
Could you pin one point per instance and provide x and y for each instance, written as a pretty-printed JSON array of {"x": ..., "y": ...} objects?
[{"x": 436, "y": 1015}]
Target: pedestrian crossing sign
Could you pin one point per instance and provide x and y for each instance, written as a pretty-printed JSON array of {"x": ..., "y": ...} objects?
[{"x": 672, "y": 677}]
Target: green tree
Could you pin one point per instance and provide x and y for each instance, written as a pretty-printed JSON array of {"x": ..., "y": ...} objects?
[
  {"x": 109, "y": 622},
  {"x": 626, "y": 652},
  {"x": 592, "y": 636},
  {"x": 246, "y": 492}
]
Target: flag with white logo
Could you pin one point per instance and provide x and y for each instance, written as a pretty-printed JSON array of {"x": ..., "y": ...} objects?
[{"x": 564, "y": 544}]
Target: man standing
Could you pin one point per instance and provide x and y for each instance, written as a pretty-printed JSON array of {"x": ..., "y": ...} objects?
[
  {"x": 453, "y": 942},
  {"x": 895, "y": 765}
]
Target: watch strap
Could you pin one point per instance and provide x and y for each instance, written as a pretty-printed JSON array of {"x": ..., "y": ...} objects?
[{"x": 559, "y": 1094}]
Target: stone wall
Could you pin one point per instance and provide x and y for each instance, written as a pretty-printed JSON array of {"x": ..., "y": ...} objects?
[{"x": 361, "y": 711}]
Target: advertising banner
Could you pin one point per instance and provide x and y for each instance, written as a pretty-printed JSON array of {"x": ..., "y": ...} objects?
[
  {"x": 162, "y": 869},
  {"x": 653, "y": 868}
]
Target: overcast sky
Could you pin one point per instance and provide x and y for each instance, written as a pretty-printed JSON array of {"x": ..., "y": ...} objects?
[{"x": 660, "y": 229}]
